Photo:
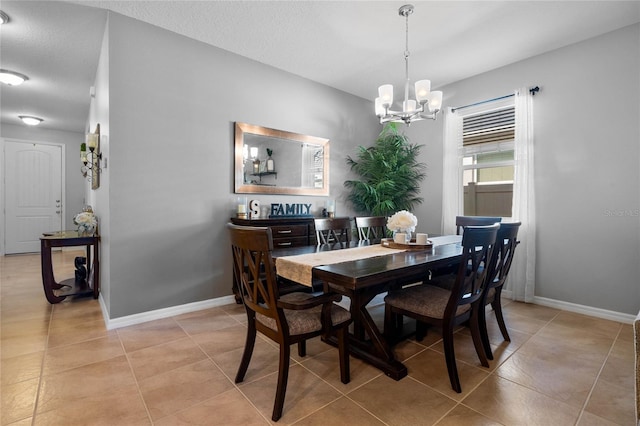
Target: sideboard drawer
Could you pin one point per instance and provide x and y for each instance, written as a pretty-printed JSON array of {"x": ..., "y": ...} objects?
[
  {"x": 289, "y": 231},
  {"x": 290, "y": 242}
]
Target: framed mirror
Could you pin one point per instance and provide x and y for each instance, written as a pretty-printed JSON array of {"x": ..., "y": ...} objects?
[{"x": 269, "y": 161}]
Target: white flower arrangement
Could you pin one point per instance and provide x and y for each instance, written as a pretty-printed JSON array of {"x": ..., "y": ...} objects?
[
  {"x": 86, "y": 222},
  {"x": 402, "y": 220}
]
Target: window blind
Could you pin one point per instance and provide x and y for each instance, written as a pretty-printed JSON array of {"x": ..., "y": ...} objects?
[{"x": 489, "y": 127}]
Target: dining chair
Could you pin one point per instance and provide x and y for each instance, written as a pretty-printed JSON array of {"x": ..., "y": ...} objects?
[
  {"x": 431, "y": 305},
  {"x": 371, "y": 228},
  {"x": 288, "y": 319},
  {"x": 505, "y": 247},
  {"x": 333, "y": 230},
  {"x": 464, "y": 221}
]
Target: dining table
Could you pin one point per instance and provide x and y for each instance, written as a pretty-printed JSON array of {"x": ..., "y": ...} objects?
[{"x": 361, "y": 271}]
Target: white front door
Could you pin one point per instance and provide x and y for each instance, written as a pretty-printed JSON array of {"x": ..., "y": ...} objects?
[{"x": 33, "y": 194}]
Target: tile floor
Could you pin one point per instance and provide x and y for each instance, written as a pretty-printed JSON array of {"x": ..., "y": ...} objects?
[{"x": 60, "y": 366}]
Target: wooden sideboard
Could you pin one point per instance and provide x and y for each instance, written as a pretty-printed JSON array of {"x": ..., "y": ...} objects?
[{"x": 286, "y": 231}]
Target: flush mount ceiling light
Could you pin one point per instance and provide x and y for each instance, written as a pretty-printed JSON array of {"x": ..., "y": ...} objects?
[
  {"x": 4, "y": 18},
  {"x": 30, "y": 120},
  {"x": 412, "y": 110},
  {"x": 12, "y": 78}
]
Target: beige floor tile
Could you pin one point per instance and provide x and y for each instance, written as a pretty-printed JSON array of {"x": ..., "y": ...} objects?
[
  {"x": 404, "y": 402},
  {"x": 76, "y": 332},
  {"x": 619, "y": 369},
  {"x": 462, "y": 415},
  {"x": 408, "y": 348},
  {"x": 58, "y": 390},
  {"x": 612, "y": 402},
  {"x": 24, "y": 422},
  {"x": 305, "y": 394},
  {"x": 82, "y": 309},
  {"x": 17, "y": 400},
  {"x": 150, "y": 334},
  {"x": 264, "y": 361},
  {"x": 31, "y": 328},
  {"x": 21, "y": 367},
  {"x": 230, "y": 408},
  {"x": 327, "y": 366},
  {"x": 588, "y": 419},
  {"x": 118, "y": 406},
  {"x": 530, "y": 310},
  {"x": 78, "y": 354},
  {"x": 466, "y": 351},
  {"x": 522, "y": 323},
  {"x": 236, "y": 311},
  {"x": 582, "y": 343},
  {"x": 159, "y": 359},
  {"x": 22, "y": 345},
  {"x": 206, "y": 320},
  {"x": 223, "y": 340},
  {"x": 166, "y": 394},
  {"x": 584, "y": 322},
  {"x": 513, "y": 404},
  {"x": 560, "y": 375},
  {"x": 343, "y": 411},
  {"x": 429, "y": 367}
]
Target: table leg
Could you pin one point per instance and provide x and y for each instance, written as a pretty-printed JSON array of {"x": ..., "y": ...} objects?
[
  {"x": 48, "y": 281},
  {"x": 376, "y": 350}
]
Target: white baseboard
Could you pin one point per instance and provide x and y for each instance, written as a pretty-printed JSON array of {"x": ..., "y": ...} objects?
[
  {"x": 586, "y": 310},
  {"x": 162, "y": 313},
  {"x": 142, "y": 317}
]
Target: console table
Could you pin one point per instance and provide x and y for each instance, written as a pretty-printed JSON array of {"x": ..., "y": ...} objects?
[{"x": 57, "y": 292}]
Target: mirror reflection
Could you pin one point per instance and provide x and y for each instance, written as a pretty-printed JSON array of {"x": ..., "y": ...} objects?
[{"x": 269, "y": 161}]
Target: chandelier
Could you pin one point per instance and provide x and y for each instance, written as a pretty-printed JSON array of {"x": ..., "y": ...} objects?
[{"x": 412, "y": 110}]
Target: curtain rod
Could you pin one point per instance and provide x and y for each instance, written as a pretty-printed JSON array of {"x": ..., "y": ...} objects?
[{"x": 532, "y": 90}]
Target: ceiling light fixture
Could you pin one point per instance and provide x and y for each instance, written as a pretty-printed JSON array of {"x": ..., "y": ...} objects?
[
  {"x": 412, "y": 110},
  {"x": 30, "y": 120},
  {"x": 12, "y": 78},
  {"x": 4, "y": 18}
]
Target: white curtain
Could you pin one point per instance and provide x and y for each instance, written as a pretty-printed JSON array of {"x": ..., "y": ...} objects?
[
  {"x": 521, "y": 280},
  {"x": 451, "y": 172}
]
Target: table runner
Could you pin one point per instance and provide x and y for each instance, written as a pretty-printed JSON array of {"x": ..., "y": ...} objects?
[{"x": 298, "y": 268}]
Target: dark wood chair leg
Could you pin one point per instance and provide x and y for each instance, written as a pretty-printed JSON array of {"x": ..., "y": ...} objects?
[
  {"x": 476, "y": 335},
  {"x": 389, "y": 323},
  {"x": 248, "y": 350},
  {"x": 283, "y": 376},
  {"x": 302, "y": 348},
  {"x": 450, "y": 356},
  {"x": 482, "y": 323},
  {"x": 497, "y": 308},
  {"x": 343, "y": 351},
  {"x": 421, "y": 330}
]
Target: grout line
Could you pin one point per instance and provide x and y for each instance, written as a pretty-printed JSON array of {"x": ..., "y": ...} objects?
[
  {"x": 44, "y": 357},
  {"x": 595, "y": 381}
]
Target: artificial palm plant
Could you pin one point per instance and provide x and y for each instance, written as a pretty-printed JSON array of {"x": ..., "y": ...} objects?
[{"x": 390, "y": 175}]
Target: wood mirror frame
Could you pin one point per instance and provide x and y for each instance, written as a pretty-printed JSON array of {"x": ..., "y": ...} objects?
[{"x": 280, "y": 140}]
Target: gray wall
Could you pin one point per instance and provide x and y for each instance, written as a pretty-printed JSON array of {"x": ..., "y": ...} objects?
[
  {"x": 587, "y": 152},
  {"x": 172, "y": 107},
  {"x": 74, "y": 181}
]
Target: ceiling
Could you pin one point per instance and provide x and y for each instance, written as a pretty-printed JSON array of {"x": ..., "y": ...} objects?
[{"x": 353, "y": 46}]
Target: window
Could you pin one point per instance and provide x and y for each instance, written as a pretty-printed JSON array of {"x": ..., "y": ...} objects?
[{"x": 488, "y": 160}]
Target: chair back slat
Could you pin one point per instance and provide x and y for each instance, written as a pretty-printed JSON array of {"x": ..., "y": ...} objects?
[
  {"x": 477, "y": 247},
  {"x": 464, "y": 221},
  {"x": 333, "y": 230},
  {"x": 506, "y": 242},
  {"x": 371, "y": 228},
  {"x": 254, "y": 269}
]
